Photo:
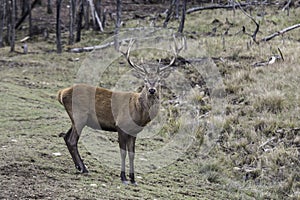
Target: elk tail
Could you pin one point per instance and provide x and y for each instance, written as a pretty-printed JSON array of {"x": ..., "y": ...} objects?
[{"x": 59, "y": 96}]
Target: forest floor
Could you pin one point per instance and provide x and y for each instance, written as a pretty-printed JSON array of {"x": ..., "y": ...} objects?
[{"x": 256, "y": 155}]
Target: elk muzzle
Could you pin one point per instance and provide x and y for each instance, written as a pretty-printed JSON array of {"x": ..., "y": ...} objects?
[{"x": 152, "y": 90}]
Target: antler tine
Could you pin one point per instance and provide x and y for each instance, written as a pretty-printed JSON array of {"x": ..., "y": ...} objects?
[
  {"x": 176, "y": 51},
  {"x": 134, "y": 66}
]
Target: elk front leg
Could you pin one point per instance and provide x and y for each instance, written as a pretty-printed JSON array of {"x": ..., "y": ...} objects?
[
  {"x": 123, "y": 137},
  {"x": 131, "y": 152},
  {"x": 71, "y": 139}
]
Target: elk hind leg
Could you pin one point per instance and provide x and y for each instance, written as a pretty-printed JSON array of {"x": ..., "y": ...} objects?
[{"x": 71, "y": 138}]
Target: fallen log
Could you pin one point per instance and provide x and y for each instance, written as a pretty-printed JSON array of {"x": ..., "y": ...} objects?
[
  {"x": 91, "y": 48},
  {"x": 280, "y": 32},
  {"x": 214, "y": 7}
]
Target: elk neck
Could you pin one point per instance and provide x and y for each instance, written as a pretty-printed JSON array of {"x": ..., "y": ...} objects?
[{"x": 147, "y": 101}]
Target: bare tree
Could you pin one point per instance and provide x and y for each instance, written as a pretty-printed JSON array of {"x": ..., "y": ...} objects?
[
  {"x": 79, "y": 21},
  {"x": 97, "y": 24},
  {"x": 2, "y": 19},
  {"x": 118, "y": 23},
  {"x": 177, "y": 9},
  {"x": 26, "y": 13},
  {"x": 104, "y": 18},
  {"x": 170, "y": 13},
  {"x": 58, "y": 26},
  {"x": 98, "y": 7},
  {"x": 181, "y": 26},
  {"x": 287, "y": 7},
  {"x": 24, "y": 7},
  {"x": 29, "y": 19},
  {"x": 13, "y": 22},
  {"x": 49, "y": 7},
  {"x": 8, "y": 21},
  {"x": 16, "y": 9},
  {"x": 86, "y": 14},
  {"x": 72, "y": 20}
]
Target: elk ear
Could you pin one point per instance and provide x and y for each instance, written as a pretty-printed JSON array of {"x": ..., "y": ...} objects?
[
  {"x": 165, "y": 73},
  {"x": 137, "y": 74}
]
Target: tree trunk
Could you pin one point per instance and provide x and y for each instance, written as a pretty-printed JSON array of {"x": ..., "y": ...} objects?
[
  {"x": 177, "y": 9},
  {"x": 103, "y": 18},
  {"x": 181, "y": 26},
  {"x": 98, "y": 10},
  {"x": 29, "y": 19},
  {"x": 99, "y": 7},
  {"x": 2, "y": 18},
  {"x": 79, "y": 21},
  {"x": 24, "y": 6},
  {"x": 13, "y": 22},
  {"x": 169, "y": 13},
  {"x": 72, "y": 19},
  {"x": 118, "y": 24},
  {"x": 58, "y": 26},
  {"x": 16, "y": 10},
  {"x": 8, "y": 22},
  {"x": 92, "y": 10},
  {"x": 26, "y": 12},
  {"x": 49, "y": 7},
  {"x": 86, "y": 11}
]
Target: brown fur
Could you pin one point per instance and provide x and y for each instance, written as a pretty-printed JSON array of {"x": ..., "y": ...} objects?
[
  {"x": 93, "y": 106},
  {"x": 99, "y": 108}
]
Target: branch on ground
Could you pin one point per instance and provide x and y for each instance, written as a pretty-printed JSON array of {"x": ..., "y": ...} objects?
[
  {"x": 214, "y": 7},
  {"x": 265, "y": 39},
  {"x": 91, "y": 48}
]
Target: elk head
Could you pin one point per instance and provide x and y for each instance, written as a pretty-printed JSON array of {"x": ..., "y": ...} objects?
[{"x": 152, "y": 78}]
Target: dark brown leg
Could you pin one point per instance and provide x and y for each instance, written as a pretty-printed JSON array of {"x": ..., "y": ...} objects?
[
  {"x": 123, "y": 137},
  {"x": 71, "y": 139},
  {"x": 131, "y": 152}
]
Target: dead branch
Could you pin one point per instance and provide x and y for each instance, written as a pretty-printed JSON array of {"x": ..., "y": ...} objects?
[
  {"x": 253, "y": 36},
  {"x": 103, "y": 46},
  {"x": 266, "y": 142},
  {"x": 214, "y": 7},
  {"x": 281, "y": 55},
  {"x": 287, "y": 7},
  {"x": 265, "y": 39},
  {"x": 87, "y": 49},
  {"x": 273, "y": 59}
]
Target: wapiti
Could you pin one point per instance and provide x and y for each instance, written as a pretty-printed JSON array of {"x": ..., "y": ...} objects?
[{"x": 123, "y": 112}]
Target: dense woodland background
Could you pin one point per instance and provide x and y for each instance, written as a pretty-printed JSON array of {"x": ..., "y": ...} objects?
[{"x": 37, "y": 17}]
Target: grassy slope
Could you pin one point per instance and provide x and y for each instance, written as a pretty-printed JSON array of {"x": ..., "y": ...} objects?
[{"x": 263, "y": 105}]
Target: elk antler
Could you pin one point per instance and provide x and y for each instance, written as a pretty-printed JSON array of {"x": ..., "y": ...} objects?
[
  {"x": 139, "y": 69},
  {"x": 176, "y": 51}
]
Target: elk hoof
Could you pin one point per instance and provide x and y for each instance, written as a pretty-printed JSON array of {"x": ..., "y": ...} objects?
[
  {"x": 62, "y": 135},
  {"x": 123, "y": 178},
  {"x": 83, "y": 170},
  {"x": 125, "y": 182},
  {"x": 134, "y": 183}
]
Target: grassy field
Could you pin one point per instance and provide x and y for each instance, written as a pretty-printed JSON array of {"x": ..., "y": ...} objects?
[{"x": 256, "y": 155}]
